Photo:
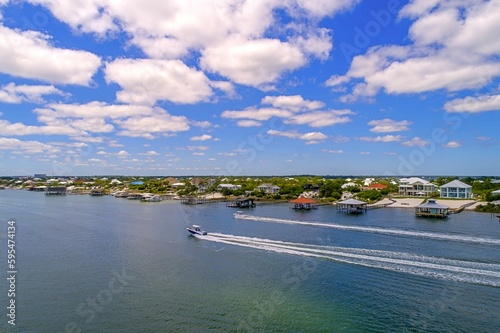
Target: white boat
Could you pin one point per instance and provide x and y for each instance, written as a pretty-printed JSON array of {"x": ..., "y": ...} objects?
[
  {"x": 196, "y": 230},
  {"x": 239, "y": 215}
]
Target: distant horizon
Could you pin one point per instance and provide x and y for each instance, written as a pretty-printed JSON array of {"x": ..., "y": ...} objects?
[
  {"x": 397, "y": 87},
  {"x": 256, "y": 176}
]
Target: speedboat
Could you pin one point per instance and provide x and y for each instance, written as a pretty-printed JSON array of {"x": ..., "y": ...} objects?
[
  {"x": 239, "y": 215},
  {"x": 196, "y": 230}
]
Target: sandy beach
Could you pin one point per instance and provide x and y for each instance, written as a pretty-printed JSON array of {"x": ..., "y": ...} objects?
[{"x": 413, "y": 202}]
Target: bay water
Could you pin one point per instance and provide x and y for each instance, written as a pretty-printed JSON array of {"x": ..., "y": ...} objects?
[{"x": 103, "y": 264}]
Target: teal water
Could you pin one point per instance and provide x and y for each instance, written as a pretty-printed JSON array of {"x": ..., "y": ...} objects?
[{"x": 102, "y": 264}]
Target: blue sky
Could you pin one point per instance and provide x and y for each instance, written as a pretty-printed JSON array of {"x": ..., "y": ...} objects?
[{"x": 227, "y": 87}]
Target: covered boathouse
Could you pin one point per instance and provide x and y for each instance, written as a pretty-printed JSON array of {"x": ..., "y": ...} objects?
[
  {"x": 303, "y": 204},
  {"x": 432, "y": 209},
  {"x": 352, "y": 206},
  {"x": 241, "y": 203}
]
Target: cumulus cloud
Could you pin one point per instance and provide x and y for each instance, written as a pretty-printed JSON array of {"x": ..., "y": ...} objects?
[
  {"x": 294, "y": 103},
  {"x": 230, "y": 36},
  {"x": 474, "y": 104},
  {"x": 389, "y": 125},
  {"x": 292, "y": 109},
  {"x": 386, "y": 138},
  {"x": 416, "y": 141},
  {"x": 310, "y": 137},
  {"x": 330, "y": 151},
  {"x": 452, "y": 46},
  {"x": 203, "y": 137},
  {"x": 29, "y": 55},
  {"x": 452, "y": 144},
  {"x": 12, "y": 93},
  {"x": 30, "y": 147},
  {"x": 145, "y": 81},
  {"x": 132, "y": 120},
  {"x": 252, "y": 62},
  {"x": 149, "y": 127}
]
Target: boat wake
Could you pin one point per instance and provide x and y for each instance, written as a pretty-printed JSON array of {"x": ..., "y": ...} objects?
[
  {"x": 378, "y": 230},
  {"x": 448, "y": 269}
]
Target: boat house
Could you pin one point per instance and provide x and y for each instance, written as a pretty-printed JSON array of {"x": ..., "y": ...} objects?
[
  {"x": 242, "y": 203},
  {"x": 431, "y": 209},
  {"x": 303, "y": 204},
  {"x": 352, "y": 206},
  {"x": 59, "y": 190}
]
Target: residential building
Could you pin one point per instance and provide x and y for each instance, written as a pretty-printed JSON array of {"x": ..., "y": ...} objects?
[
  {"x": 415, "y": 186},
  {"x": 456, "y": 189},
  {"x": 268, "y": 188},
  {"x": 228, "y": 186}
]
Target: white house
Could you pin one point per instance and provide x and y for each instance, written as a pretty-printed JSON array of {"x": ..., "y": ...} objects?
[
  {"x": 456, "y": 189},
  {"x": 415, "y": 186},
  {"x": 228, "y": 186},
  {"x": 268, "y": 188}
]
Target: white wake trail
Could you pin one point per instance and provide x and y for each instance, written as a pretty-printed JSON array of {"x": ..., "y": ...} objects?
[
  {"x": 378, "y": 230},
  {"x": 449, "y": 269}
]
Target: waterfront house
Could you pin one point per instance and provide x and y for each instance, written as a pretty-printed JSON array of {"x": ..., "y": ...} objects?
[
  {"x": 431, "y": 209},
  {"x": 415, "y": 186},
  {"x": 231, "y": 187},
  {"x": 268, "y": 188},
  {"x": 352, "y": 206},
  {"x": 456, "y": 189}
]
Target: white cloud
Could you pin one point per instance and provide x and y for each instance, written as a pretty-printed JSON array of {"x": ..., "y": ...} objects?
[
  {"x": 330, "y": 151},
  {"x": 416, "y": 141},
  {"x": 310, "y": 137},
  {"x": 255, "y": 63},
  {"x": 31, "y": 147},
  {"x": 203, "y": 137},
  {"x": 55, "y": 128},
  {"x": 452, "y": 46},
  {"x": 452, "y": 144},
  {"x": 294, "y": 103},
  {"x": 340, "y": 139},
  {"x": 386, "y": 138},
  {"x": 145, "y": 81},
  {"x": 256, "y": 114},
  {"x": 474, "y": 104},
  {"x": 293, "y": 109},
  {"x": 389, "y": 125},
  {"x": 12, "y": 93},
  {"x": 133, "y": 120},
  {"x": 229, "y": 35},
  {"x": 320, "y": 118},
  {"x": 159, "y": 123},
  {"x": 248, "y": 123},
  {"x": 150, "y": 153},
  {"x": 29, "y": 55},
  {"x": 122, "y": 154},
  {"x": 192, "y": 148}
]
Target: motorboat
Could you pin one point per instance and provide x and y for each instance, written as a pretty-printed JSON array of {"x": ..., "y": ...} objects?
[
  {"x": 239, "y": 215},
  {"x": 196, "y": 230}
]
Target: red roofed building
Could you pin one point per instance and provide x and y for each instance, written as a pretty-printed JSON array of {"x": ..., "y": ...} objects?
[
  {"x": 375, "y": 186},
  {"x": 303, "y": 204}
]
